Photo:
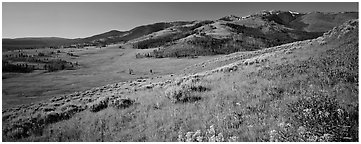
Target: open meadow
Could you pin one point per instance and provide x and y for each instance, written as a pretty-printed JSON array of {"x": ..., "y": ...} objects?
[
  {"x": 185, "y": 76},
  {"x": 97, "y": 67}
]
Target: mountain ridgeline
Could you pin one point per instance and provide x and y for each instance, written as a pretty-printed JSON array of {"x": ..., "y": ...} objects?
[{"x": 207, "y": 37}]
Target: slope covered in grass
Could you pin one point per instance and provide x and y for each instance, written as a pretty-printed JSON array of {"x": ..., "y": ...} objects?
[{"x": 303, "y": 91}]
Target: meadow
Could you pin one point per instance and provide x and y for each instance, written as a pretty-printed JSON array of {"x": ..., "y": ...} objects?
[
  {"x": 304, "y": 91},
  {"x": 97, "y": 67}
]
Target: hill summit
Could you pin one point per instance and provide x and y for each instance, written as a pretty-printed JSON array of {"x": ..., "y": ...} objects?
[{"x": 259, "y": 30}]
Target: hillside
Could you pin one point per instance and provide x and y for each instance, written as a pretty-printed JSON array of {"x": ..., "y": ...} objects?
[
  {"x": 113, "y": 36},
  {"x": 193, "y": 38},
  {"x": 300, "y": 91},
  {"x": 233, "y": 34}
]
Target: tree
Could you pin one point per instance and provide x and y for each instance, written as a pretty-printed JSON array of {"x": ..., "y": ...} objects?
[{"x": 130, "y": 71}]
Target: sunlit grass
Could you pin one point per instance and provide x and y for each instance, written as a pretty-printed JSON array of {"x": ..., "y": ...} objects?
[{"x": 306, "y": 95}]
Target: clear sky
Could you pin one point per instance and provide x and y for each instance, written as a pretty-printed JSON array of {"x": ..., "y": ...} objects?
[{"x": 76, "y": 20}]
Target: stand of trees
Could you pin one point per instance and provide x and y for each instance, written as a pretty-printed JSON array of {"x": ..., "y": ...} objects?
[
  {"x": 161, "y": 41},
  {"x": 20, "y": 68},
  {"x": 56, "y": 65}
]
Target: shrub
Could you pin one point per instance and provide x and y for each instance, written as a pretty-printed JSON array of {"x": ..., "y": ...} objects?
[
  {"x": 121, "y": 103},
  {"x": 184, "y": 91},
  {"x": 209, "y": 135},
  {"x": 55, "y": 65},
  {"x": 99, "y": 104},
  {"x": 317, "y": 118},
  {"x": 175, "y": 93},
  {"x": 41, "y": 54}
]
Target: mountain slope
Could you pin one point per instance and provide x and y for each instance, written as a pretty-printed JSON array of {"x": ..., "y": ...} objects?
[
  {"x": 321, "y": 22},
  {"x": 112, "y": 33},
  {"x": 231, "y": 33},
  {"x": 244, "y": 33},
  {"x": 113, "y": 36},
  {"x": 301, "y": 91}
]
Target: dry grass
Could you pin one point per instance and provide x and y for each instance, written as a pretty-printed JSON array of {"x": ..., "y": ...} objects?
[{"x": 310, "y": 94}]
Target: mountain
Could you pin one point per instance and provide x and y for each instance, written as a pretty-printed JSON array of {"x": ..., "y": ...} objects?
[
  {"x": 231, "y": 33},
  {"x": 112, "y": 33},
  {"x": 208, "y": 37},
  {"x": 321, "y": 22},
  {"x": 107, "y": 37}
]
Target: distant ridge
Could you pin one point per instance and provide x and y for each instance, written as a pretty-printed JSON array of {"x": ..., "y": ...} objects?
[{"x": 273, "y": 21}]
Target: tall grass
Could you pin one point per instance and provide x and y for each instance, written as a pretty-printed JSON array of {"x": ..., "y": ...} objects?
[{"x": 307, "y": 95}]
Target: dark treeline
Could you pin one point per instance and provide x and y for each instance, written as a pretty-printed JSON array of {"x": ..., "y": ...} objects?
[
  {"x": 169, "y": 39},
  {"x": 56, "y": 65},
  {"x": 161, "y": 41},
  {"x": 202, "y": 46},
  {"x": 274, "y": 38},
  {"x": 20, "y": 68},
  {"x": 249, "y": 39}
]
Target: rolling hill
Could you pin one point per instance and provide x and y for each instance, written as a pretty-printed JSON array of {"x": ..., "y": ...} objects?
[
  {"x": 260, "y": 30},
  {"x": 112, "y": 36},
  {"x": 304, "y": 91},
  {"x": 232, "y": 34}
]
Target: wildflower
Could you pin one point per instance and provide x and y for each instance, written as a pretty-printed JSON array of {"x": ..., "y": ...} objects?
[
  {"x": 233, "y": 139},
  {"x": 326, "y": 138},
  {"x": 219, "y": 138},
  {"x": 282, "y": 124},
  {"x": 307, "y": 110},
  {"x": 180, "y": 136},
  {"x": 301, "y": 130},
  {"x": 273, "y": 134},
  {"x": 199, "y": 138},
  {"x": 189, "y": 136},
  {"x": 211, "y": 130},
  {"x": 212, "y": 138},
  {"x": 313, "y": 138},
  {"x": 197, "y": 135},
  {"x": 326, "y": 114},
  {"x": 339, "y": 112}
]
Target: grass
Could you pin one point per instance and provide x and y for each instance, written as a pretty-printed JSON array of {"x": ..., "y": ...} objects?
[
  {"x": 309, "y": 94},
  {"x": 92, "y": 72}
]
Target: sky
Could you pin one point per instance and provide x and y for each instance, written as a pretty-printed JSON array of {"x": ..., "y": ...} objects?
[{"x": 79, "y": 20}]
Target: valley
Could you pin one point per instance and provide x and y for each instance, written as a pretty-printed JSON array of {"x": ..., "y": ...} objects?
[
  {"x": 97, "y": 67},
  {"x": 272, "y": 76}
]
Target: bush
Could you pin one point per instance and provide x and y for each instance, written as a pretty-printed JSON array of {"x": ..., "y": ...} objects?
[
  {"x": 99, "y": 104},
  {"x": 41, "y": 54},
  {"x": 184, "y": 92},
  {"x": 209, "y": 135},
  {"x": 317, "y": 118},
  {"x": 121, "y": 103},
  {"x": 321, "y": 115},
  {"x": 55, "y": 65}
]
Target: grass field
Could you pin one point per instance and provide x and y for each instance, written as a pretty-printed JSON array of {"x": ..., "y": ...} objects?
[
  {"x": 97, "y": 67},
  {"x": 305, "y": 94},
  {"x": 299, "y": 92}
]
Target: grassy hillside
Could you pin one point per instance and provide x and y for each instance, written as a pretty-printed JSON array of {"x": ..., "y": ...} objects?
[
  {"x": 281, "y": 24},
  {"x": 303, "y": 91},
  {"x": 232, "y": 34},
  {"x": 113, "y": 33},
  {"x": 113, "y": 36}
]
